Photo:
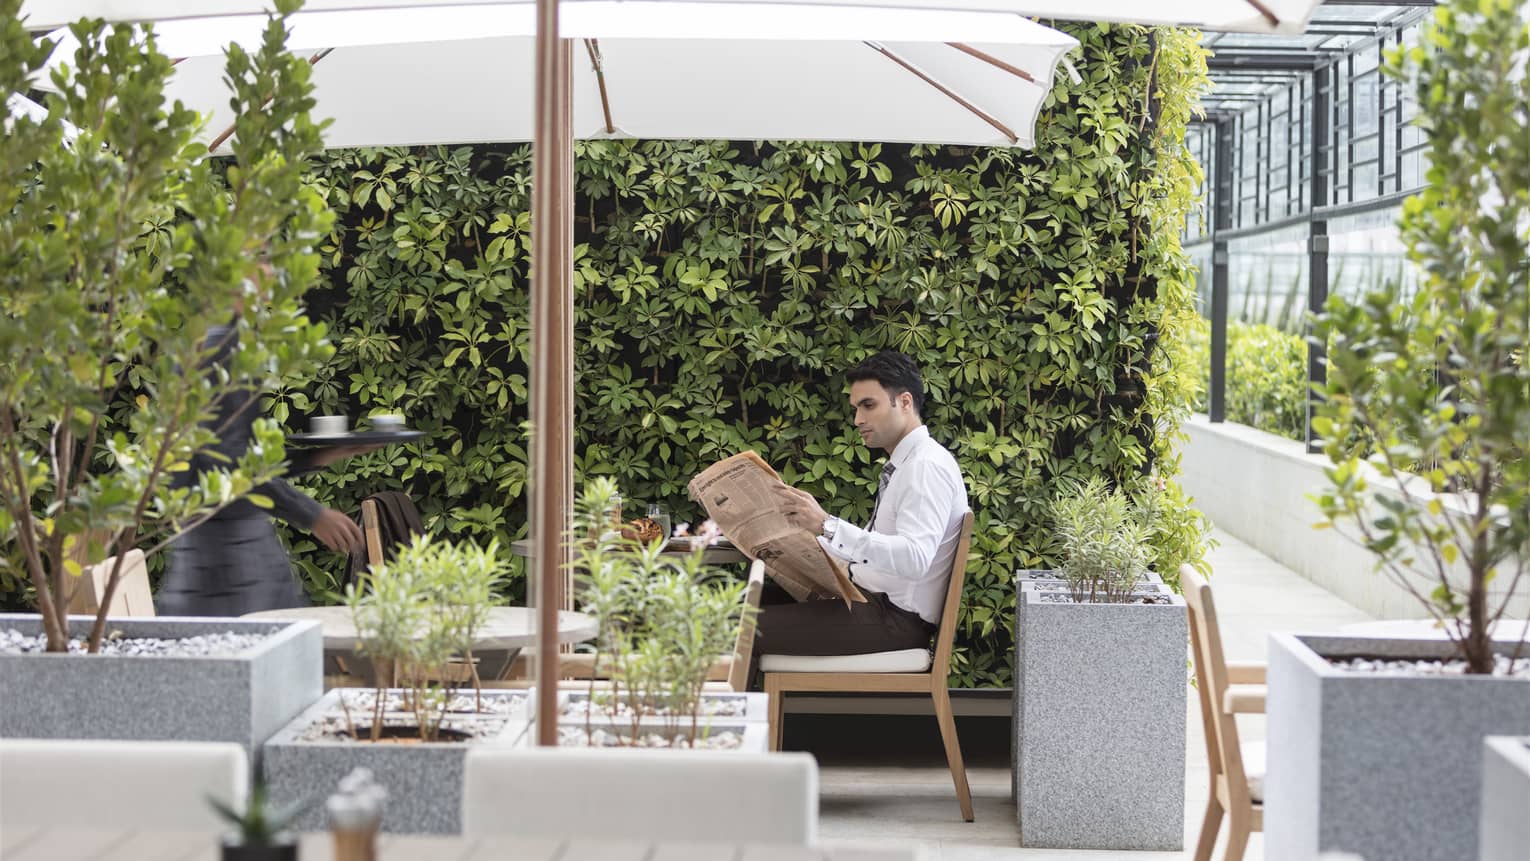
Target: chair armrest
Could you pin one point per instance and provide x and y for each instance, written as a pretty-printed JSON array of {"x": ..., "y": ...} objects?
[
  {"x": 1245, "y": 673},
  {"x": 1244, "y": 699}
]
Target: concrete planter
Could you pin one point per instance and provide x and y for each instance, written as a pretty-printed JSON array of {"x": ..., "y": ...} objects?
[
  {"x": 1099, "y": 756},
  {"x": 424, "y": 780},
  {"x": 242, "y": 698},
  {"x": 1385, "y": 766},
  {"x": 1505, "y": 825}
]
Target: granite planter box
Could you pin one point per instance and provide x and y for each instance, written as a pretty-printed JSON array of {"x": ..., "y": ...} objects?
[
  {"x": 1385, "y": 766},
  {"x": 1100, "y": 698},
  {"x": 243, "y": 698},
  {"x": 1505, "y": 825},
  {"x": 423, "y": 779}
]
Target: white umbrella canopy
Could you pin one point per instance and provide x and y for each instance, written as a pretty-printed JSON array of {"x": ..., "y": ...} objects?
[
  {"x": 1288, "y": 17},
  {"x": 651, "y": 69}
]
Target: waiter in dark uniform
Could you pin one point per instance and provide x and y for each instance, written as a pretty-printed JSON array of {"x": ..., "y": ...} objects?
[{"x": 233, "y": 563}]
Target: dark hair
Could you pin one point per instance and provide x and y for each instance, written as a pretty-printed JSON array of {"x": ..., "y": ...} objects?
[{"x": 896, "y": 372}]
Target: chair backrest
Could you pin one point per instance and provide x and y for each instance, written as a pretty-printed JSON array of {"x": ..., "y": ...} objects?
[
  {"x": 371, "y": 531},
  {"x": 743, "y": 647},
  {"x": 1223, "y": 751},
  {"x": 120, "y": 785},
  {"x": 642, "y": 795},
  {"x": 945, "y": 634},
  {"x": 133, "y": 596}
]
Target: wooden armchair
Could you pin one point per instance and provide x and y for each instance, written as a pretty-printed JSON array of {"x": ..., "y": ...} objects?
[
  {"x": 133, "y": 597},
  {"x": 907, "y": 671},
  {"x": 1226, "y": 690}
]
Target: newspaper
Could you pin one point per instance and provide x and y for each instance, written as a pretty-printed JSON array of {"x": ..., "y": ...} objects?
[{"x": 739, "y": 495}]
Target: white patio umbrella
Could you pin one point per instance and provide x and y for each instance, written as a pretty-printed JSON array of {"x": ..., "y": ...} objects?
[
  {"x": 462, "y": 74},
  {"x": 1246, "y": 16}
]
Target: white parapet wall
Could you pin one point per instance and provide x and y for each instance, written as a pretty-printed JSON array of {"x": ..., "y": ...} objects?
[{"x": 1259, "y": 487}]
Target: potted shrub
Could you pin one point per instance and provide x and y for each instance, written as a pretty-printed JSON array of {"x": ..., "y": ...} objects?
[
  {"x": 1099, "y": 756},
  {"x": 662, "y": 622},
  {"x": 415, "y": 613},
  {"x": 1382, "y": 756},
  {"x": 260, "y": 831},
  {"x": 123, "y": 244}
]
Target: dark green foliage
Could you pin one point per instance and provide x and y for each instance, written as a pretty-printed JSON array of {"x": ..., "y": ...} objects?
[{"x": 723, "y": 288}]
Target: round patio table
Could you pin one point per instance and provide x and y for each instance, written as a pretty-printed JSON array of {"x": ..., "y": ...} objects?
[
  {"x": 507, "y": 631},
  {"x": 509, "y": 628}
]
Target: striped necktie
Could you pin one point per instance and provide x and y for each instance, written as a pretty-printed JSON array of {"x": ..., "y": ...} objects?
[{"x": 887, "y": 472}]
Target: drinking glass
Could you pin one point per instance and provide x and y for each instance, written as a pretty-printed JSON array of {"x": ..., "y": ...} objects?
[{"x": 660, "y": 515}]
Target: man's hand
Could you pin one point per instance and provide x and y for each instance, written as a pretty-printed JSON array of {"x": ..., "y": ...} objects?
[
  {"x": 327, "y": 456},
  {"x": 801, "y": 508},
  {"x": 337, "y": 531}
]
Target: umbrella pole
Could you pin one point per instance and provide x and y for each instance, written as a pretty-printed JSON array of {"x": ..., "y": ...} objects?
[{"x": 552, "y": 355}]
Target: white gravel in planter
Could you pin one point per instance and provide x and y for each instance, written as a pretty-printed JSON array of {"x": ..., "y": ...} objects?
[
  {"x": 461, "y": 717},
  {"x": 622, "y": 709},
  {"x": 1393, "y": 667},
  {"x": 571, "y": 736},
  {"x": 201, "y": 646},
  {"x": 1049, "y": 596},
  {"x": 459, "y": 702}
]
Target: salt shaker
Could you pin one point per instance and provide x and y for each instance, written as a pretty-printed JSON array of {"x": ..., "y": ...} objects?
[{"x": 355, "y": 813}]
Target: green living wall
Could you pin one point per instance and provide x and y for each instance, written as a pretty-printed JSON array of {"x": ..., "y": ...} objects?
[{"x": 724, "y": 286}]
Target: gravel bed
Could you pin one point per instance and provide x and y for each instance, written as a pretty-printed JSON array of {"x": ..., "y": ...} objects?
[
  {"x": 1065, "y": 597},
  {"x": 201, "y": 646},
  {"x": 1429, "y": 667},
  {"x": 461, "y": 715},
  {"x": 570, "y": 736},
  {"x": 622, "y": 709},
  {"x": 459, "y": 702}
]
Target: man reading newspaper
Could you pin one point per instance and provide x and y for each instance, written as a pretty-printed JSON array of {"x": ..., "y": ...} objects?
[{"x": 894, "y": 571}]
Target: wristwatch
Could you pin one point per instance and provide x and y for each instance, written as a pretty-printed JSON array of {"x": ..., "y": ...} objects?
[{"x": 830, "y": 526}]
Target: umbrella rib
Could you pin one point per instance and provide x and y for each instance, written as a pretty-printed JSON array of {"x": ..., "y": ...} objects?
[
  {"x": 1265, "y": 11},
  {"x": 593, "y": 46},
  {"x": 228, "y": 132},
  {"x": 993, "y": 61},
  {"x": 946, "y": 91}
]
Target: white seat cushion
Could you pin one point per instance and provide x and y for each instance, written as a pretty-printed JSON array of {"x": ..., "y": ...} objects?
[
  {"x": 1253, "y": 769},
  {"x": 900, "y": 661},
  {"x": 641, "y": 795}
]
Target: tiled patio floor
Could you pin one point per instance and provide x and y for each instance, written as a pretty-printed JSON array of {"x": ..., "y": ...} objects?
[{"x": 868, "y": 801}]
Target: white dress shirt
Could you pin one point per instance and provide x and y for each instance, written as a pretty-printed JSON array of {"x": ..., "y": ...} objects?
[{"x": 908, "y": 548}]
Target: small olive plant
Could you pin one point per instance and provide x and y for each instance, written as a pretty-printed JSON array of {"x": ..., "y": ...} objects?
[
  {"x": 417, "y": 612},
  {"x": 662, "y": 620},
  {"x": 1437, "y": 377},
  {"x": 1103, "y": 539}
]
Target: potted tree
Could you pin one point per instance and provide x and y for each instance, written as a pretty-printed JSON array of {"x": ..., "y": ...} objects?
[
  {"x": 413, "y": 615},
  {"x": 123, "y": 245},
  {"x": 1099, "y": 756},
  {"x": 662, "y": 623},
  {"x": 1376, "y": 744}
]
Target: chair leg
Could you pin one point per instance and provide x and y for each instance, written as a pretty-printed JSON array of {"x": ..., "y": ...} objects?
[
  {"x": 1238, "y": 827},
  {"x": 953, "y": 748},
  {"x": 1210, "y": 824},
  {"x": 777, "y": 710}
]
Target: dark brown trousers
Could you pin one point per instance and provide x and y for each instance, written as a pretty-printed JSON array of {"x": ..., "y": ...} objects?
[{"x": 827, "y": 627}]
